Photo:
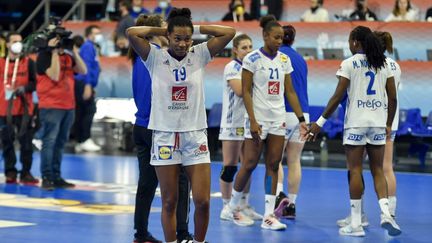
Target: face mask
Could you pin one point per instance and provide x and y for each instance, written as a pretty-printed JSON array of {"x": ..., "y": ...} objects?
[
  {"x": 239, "y": 10},
  {"x": 98, "y": 38},
  {"x": 263, "y": 10},
  {"x": 163, "y": 4},
  {"x": 16, "y": 47},
  {"x": 136, "y": 9}
]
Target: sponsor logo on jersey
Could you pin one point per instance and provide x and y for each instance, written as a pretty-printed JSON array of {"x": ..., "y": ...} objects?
[
  {"x": 179, "y": 93},
  {"x": 165, "y": 152},
  {"x": 202, "y": 149},
  {"x": 369, "y": 104},
  {"x": 283, "y": 58},
  {"x": 283, "y": 125},
  {"x": 355, "y": 137},
  {"x": 273, "y": 88},
  {"x": 379, "y": 137},
  {"x": 254, "y": 57},
  {"x": 237, "y": 66},
  {"x": 240, "y": 131}
]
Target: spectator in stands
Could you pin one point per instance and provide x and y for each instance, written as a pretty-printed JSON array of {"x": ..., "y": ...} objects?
[
  {"x": 85, "y": 102},
  {"x": 16, "y": 107},
  {"x": 428, "y": 17},
  {"x": 2, "y": 46},
  {"x": 316, "y": 13},
  {"x": 137, "y": 9},
  {"x": 125, "y": 22},
  {"x": 403, "y": 11},
  {"x": 163, "y": 8},
  {"x": 261, "y": 8},
  {"x": 55, "y": 89},
  {"x": 237, "y": 12},
  {"x": 362, "y": 12}
]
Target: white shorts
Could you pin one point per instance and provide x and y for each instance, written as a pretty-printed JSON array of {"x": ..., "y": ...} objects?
[
  {"x": 393, "y": 136},
  {"x": 364, "y": 135},
  {"x": 267, "y": 127},
  {"x": 292, "y": 134},
  {"x": 185, "y": 148},
  {"x": 231, "y": 133}
]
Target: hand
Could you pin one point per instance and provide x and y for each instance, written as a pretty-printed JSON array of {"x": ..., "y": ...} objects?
[
  {"x": 87, "y": 92},
  {"x": 303, "y": 130},
  {"x": 313, "y": 132},
  {"x": 256, "y": 131},
  {"x": 53, "y": 42},
  {"x": 20, "y": 91}
]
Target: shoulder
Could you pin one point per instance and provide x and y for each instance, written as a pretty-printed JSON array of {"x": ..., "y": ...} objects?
[
  {"x": 283, "y": 58},
  {"x": 233, "y": 66},
  {"x": 253, "y": 56}
]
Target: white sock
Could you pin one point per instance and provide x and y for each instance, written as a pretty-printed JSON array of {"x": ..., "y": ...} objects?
[
  {"x": 392, "y": 205},
  {"x": 279, "y": 188},
  {"x": 244, "y": 200},
  {"x": 171, "y": 241},
  {"x": 225, "y": 201},
  {"x": 235, "y": 199},
  {"x": 270, "y": 201},
  {"x": 195, "y": 241},
  {"x": 355, "y": 213},
  {"x": 384, "y": 205},
  {"x": 292, "y": 197}
]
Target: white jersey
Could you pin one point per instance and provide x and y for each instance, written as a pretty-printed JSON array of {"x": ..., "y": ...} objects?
[
  {"x": 268, "y": 84},
  {"x": 177, "y": 89},
  {"x": 233, "y": 109},
  {"x": 395, "y": 69},
  {"x": 367, "y": 99}
]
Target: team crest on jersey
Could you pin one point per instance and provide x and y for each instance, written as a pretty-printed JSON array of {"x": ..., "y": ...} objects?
[
  {"x": 283, "y": 58},
  {"x": 237, "y": 66},
  {"x": 179, "y": 93},
  {"x": 254, "y": 57},
  {"x": 273, "y": 88},
  {"x": 165, "y": 152},
  {"x": 240, "y": 131}
]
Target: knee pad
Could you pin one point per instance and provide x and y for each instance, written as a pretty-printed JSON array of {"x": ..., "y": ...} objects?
[{"x": 227, "y": 173}]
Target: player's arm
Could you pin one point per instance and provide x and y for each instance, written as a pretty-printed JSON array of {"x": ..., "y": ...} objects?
[
  {"x": 137, "y": 38},
  {"x": 222, "y": 35},
  {"x": 247, "y": 80},
  {"x": 391, "y": 101},
  {"x": 292, "y": 98},
  {"x": 236, "y": 86}
]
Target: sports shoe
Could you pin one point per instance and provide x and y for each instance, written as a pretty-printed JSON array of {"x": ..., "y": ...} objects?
[
  {"x": 11, "y": 177},
  {"x": 251, "y": 213},
  {"x": 350, "y": 231},
  {"x": 226, "y": 213},
  {"x": 27, "y": 178},
  {"x": 280, "y": 204},
  {"x": 270, "y": 222},
  {"x": 240, "y": 219},
  {"x": 390, "y": 225},
  {"x": 87, "y": 146},
  {"x": 148, "y": 239},
  {"x": 37, "y": 143},
  {"x": 47, "y": 184},
  {"x": 61, "y": 183},
  {"x": 346, "y": 221},
  {"x": 289, "y": 212}
]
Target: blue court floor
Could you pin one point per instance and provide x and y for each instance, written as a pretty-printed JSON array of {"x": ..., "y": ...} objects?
[{"x": 100, "y": 209}]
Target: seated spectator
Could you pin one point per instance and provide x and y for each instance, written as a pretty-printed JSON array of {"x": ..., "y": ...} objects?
[
  {"x": 137, "y": 9},
  {"x": 163, "y": 8},
  {"x": 316, "y": 13},
  {"x": 125, "y": 22},
  {"x": 237, "y": 12},
  {"x": 429, "y": 15},
  {"x": 403, "y": 11},
  {"x": 362, "y": 12},
  {"x": 259, "y": 8}
]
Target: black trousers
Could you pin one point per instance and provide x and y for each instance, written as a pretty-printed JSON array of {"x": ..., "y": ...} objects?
[
  {"x": 84, "y": 113},
  {"x": 147, "y": 184},
  {"x": 8, "y": 136}
]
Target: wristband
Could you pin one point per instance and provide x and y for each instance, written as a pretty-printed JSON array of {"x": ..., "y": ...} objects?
[
  {"x": 301, "y": 119},
  {"x": 321, "y": 121},
  {"x": 196, "y": 29}
]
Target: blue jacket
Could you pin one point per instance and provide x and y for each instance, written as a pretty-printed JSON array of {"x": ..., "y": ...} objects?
[{"x": 89, "y": 55}]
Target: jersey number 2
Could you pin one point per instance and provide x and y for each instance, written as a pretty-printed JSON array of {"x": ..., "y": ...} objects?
[
  {"x": 371, "y": 75},
  {"x": 180, "y": 74}
]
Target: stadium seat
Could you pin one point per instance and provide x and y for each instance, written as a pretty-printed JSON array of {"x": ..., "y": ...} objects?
[
  {"x": 214, "y": 117},
  {"x": 335, "y": 123},
  {"x": 423, "y": 142},
  {"x": 315, "y": 112},
  {"x": 410, "y": 121}
]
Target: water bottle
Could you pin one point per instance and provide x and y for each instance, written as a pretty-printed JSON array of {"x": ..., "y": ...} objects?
[{"x": 324, "y": 150}]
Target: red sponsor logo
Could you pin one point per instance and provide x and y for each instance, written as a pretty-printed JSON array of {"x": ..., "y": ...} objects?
[
  {"x": 273, "y": 88},
  {"x": 179, "y": 93},
  {"x": 202, "y": 149}
]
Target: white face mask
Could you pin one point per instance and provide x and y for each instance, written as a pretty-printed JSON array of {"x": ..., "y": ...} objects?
[
  {"x": 16, "y": 47},
  {"x": 98, "y": 38},
  {"x": 163, "y": 4},
  {"x": 136, "y": 9}
]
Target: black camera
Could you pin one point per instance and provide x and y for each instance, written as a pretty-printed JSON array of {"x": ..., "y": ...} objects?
[{"x": 40, "y": 39}]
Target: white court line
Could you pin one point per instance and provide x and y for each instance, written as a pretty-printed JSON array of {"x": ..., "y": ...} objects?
[{"x": 7, "y": 223}]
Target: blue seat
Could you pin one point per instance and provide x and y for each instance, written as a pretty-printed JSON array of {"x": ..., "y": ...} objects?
[
  {"x": 410, "y": 121},
  {"x": 315, "y": 112},
  {"x": 335, "y": 123},
  {"x": 422, "y": 146},
  {"x": 214, "y": 116}
]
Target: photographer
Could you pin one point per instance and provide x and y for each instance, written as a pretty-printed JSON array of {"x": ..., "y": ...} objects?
[
  {"x": 55, "y": 89},
  {"x": 16, "y": 106}
]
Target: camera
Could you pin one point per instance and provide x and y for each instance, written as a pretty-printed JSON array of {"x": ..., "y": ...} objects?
[{"x": 40, "y": 39}]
